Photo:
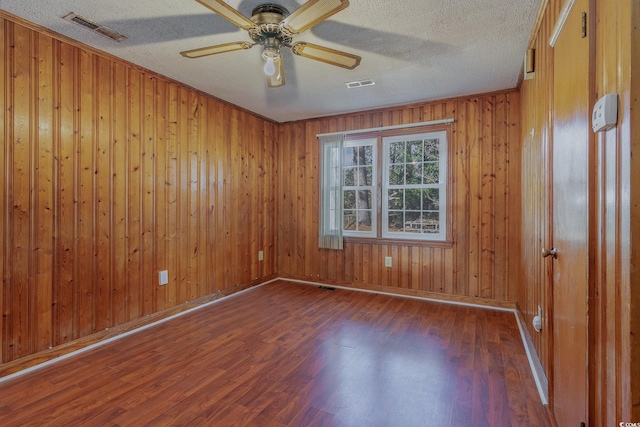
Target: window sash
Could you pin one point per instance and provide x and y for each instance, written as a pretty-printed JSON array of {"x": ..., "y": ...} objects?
[
  {"x": 372, "y": 189},
  {"x": 422, "y": 221}
]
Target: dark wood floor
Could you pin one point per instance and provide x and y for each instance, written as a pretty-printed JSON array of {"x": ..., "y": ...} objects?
[{"x": 294, "y": 355}]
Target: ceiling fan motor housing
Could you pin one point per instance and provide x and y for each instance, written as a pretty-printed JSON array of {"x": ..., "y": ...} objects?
[{"x": 267, "y": 18}]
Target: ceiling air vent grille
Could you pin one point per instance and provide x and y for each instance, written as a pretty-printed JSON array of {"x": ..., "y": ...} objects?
[
  {"x": 96, "y": 28},
  {"x": 359, "y": 83}
]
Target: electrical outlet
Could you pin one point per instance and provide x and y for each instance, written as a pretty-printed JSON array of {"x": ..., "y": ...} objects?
[
  {"x": 163, "y": 277},
  {"x": 261, "y": 256},
  {"x": 387, "y": 261}
]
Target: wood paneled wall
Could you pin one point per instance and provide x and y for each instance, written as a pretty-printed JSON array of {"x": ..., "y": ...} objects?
[
  {"x": 615, "y": 303},
  {"x": 616, "y": 298},
  {"x": 536, "y": 124},
  {"x": 480, "y": 266},
  {"x": 110, "y": 174}
]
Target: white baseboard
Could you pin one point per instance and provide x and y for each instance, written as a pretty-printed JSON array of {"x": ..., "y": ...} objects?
[{"x": 534, "y": 361}]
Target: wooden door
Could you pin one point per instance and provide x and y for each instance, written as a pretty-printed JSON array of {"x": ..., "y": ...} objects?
[{"x": 570, "y": 212}]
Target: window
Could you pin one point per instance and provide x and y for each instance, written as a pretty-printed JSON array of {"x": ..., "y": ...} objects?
[
  {"x": 414, "y": 186},
  {"x": 359, "y": 188},
  {"x": 407, "y": 174}
]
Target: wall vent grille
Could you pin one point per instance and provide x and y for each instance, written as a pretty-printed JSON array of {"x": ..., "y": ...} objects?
[
  {"x": 359, "y": 83},
  {"x": 96, "y": 28}
]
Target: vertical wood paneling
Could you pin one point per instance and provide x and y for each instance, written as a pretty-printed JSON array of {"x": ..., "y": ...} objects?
[
  {"x": 536, "y": 101},
  {"x": 18, "y": 162},
  {"x": 110, "y": 175},
  {"x": 630, "y": 217},
  {"x": 43, "y": 194},
  {"x": 120, "y": 194},
  {"x": 173, "y": 205},
  {"x": 4, "y": 116},
  {"x": 487, "y": 216},
  {"x": 84, "y": 194},
  {"x": 104, "y": 196},
  {"x": 162, "y": 200},
  {"x": 148, "y": 269},
  {"x": 615, "y": 365},
  {"x": 475, "y": 266},
  {"x": 134, "y": 202},
  {"x": 613, "y": 368},
  {"x": 63, "y": 293}
]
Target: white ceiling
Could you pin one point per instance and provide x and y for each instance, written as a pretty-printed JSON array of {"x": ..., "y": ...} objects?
[{"x": 415, "y": 50}]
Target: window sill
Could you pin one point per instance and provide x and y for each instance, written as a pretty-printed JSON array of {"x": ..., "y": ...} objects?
[{"x": 399, "y": 242}]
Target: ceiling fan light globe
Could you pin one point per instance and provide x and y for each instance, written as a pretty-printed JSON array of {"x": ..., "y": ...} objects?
[{"x": 269, "y": 67}]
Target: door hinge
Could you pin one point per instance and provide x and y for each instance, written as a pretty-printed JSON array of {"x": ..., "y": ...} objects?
[
  {"x": 584, "y": 24},
  {"x": 583, "y": 424}
]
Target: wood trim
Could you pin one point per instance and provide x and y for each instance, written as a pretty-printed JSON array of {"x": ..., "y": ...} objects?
[
  {"x": 542, "y": 10},
  {"x": 564, "y": 14},
  {"x": 383, "y": 241}
]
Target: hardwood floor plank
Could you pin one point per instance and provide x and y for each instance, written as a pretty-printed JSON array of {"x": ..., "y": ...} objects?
[{"x": 287, "y": 354}]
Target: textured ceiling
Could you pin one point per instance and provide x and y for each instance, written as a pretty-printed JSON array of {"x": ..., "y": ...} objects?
[{"x": 415, "y": 50}]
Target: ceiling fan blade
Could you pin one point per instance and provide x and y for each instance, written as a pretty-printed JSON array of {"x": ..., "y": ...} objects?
[
  {"x": 312, "y": 13},
  {"x": 277, "y": 79},
  {"x": 230, "y": 14},
  {"x": 325, "y": 54},
  {"x": 213, "y": 50}
]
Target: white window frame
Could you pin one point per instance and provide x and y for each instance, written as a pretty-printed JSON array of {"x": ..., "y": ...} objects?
[
  {"x": 373, "y": 142},
  {"x": 441, "y": 186}
]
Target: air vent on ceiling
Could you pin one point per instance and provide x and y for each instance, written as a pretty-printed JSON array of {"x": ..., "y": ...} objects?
[
  {"x": 96, "y": 28},
  {"x": 359, "y": 83}
]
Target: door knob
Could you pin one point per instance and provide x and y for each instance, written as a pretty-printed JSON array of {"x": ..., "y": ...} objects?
[{"x": 553, "y": 252}]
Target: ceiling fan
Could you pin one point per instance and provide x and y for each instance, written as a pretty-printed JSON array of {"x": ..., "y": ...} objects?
[{"x": 272, "y": 27}]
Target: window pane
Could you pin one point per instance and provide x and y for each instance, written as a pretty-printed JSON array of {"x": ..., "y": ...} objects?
[
  {"x": 396, "y": 175},
  {"x": 414, "y": 151},
  {"x": 348, "y": 157},
  {"x": 413, "y": 222},
  {"x": 431, "y": 172},
  {"x": 368, "y": 154},
  {"x": 359, "y": 167},
  {"x": 396, "y": 199},
  {"x": 396, "y": 152},
  {"x": 349, "y": 199},
  {"x": 362, "y": 156},
  {"x": 396, "y": 222},
  {"x": 368, "y": 175},
  {"x": 414, "y": 174},
  {"x": 364, "y": 220},
  {"x": 362, "y": 179},
  {"x": 412, "y": 198},
  {"x": 349, "y": 177},
  {"x": 431, "y": 222},
  {"x": 349, "y": 220},
  {"x": 364, "y": 199},
  {"x": 431, "y": 199},
  {"x": 431, "y": 149}
]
